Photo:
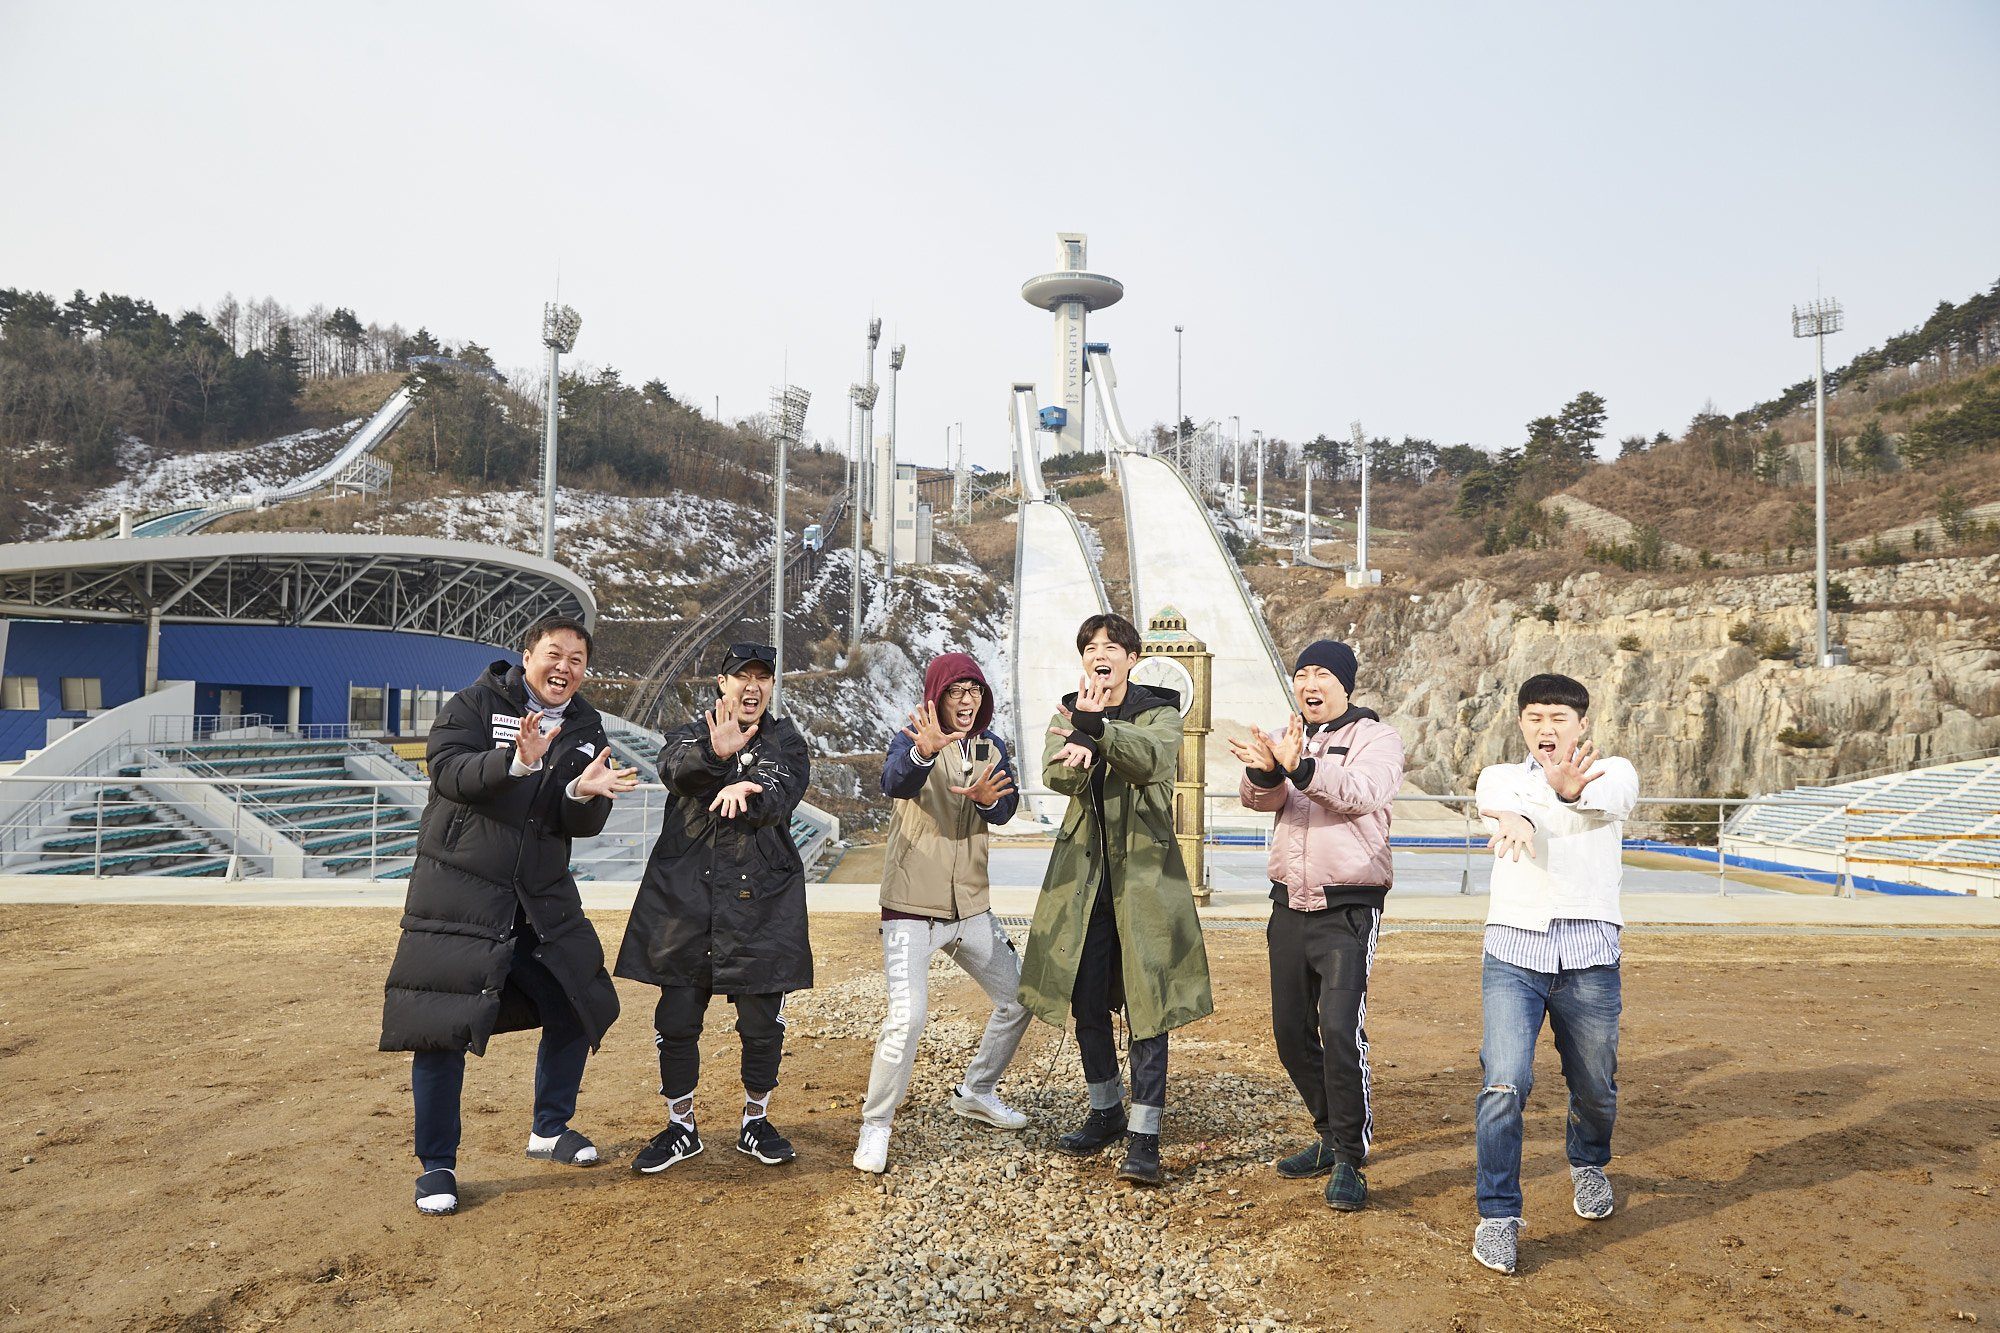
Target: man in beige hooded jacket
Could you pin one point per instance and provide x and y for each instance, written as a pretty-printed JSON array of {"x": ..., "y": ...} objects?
[{"x": 950, "y": 777}]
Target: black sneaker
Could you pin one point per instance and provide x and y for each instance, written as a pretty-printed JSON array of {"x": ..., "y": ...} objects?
[
  {"x": 761, "y": 1140},
  {"x": 675, "y": 1143},
  {"x": 1347, "y": 1192},
  {"x": 1142, "y": 1159},
  {"x": 1098, "y": 1130},
  {"x": 1316, "y": 1159}
]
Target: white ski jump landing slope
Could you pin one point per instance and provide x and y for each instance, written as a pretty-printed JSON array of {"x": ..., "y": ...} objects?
[
  {"x": 1178, "y": 560},
  {"x": 1055, "y": 589},
  {"x": 375, "y": 430}
]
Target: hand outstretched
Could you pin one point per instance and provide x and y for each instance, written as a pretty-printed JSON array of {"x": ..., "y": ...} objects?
[
  {"x": 734, "y": 799},
  {"x": 531, "y": 743},
  {"x": 927, "y": 735},
  {"x": 992, "y": 785},
  {"x": 725, "y": 737},
  {"x": 1568, "y": 778},
  {"x": 605, "y": 778}
]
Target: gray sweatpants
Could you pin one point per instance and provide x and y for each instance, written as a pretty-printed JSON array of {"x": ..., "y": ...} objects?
[{"x": 982, "y": 948}]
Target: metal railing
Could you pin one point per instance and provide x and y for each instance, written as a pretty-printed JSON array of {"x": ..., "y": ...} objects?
[
  {"x": 1691, "y": 828},
  {"x": 171, "y": 821}
]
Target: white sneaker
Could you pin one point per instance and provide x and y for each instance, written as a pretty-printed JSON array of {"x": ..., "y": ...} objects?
[
  {"x": 872, "y": 1153},
  {"x": 986, "y": 1108}
]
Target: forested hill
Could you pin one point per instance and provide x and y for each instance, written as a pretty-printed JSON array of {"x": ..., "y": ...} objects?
[{"x": 94, "y": 390}]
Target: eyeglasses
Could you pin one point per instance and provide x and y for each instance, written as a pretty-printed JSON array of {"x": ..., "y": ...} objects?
[
  {"x": 964, "y": 691},
  {"x": 753, "y": 652}
]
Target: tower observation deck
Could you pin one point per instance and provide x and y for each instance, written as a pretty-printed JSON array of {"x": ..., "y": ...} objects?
[{"x": 1070, "y": 293}]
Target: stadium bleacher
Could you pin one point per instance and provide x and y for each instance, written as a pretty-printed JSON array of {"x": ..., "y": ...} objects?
[{"x": 1936, "y": 827}]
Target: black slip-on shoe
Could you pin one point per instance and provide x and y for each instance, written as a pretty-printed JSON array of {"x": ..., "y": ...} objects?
[
  {"x": 568, "y": 1148},
  {"x": 437, "y": 1192}
]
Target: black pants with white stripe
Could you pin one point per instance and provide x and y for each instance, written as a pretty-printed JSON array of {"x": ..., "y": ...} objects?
[
  {"x": 677, "y": 1019},
  {"x": 1319, "y": 1013}
]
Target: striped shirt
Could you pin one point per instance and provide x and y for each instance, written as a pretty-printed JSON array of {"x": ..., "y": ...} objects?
[{"x": 1568, "y": 945}]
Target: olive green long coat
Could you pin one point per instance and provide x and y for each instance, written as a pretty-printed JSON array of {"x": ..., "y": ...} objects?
[{"x": 1165, "y": 965}]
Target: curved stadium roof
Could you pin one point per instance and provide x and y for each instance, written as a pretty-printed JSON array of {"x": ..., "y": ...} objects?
[{"x": 417, "y": 585}]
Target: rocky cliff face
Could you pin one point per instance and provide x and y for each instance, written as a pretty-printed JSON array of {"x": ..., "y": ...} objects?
[{"x": 1686, "y": 697}]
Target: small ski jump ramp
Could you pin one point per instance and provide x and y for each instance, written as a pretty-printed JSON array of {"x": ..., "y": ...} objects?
[{"x": 1056, "y": 589}]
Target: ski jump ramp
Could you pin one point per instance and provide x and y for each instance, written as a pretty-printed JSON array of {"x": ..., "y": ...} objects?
[
  {"x": 1178, "y": 559},
  {"x": 364, "y": 441},
  {"x": 1056, "y": 589}
]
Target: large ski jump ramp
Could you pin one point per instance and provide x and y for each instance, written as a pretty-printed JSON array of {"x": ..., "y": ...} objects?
[
  {"x": 1056, "y": 589},
  {"x": 1178, "y": 560}
]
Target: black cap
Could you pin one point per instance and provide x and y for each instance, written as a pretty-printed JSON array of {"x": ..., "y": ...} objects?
[
  {"x": 1334, "y": 656},
  {"x": 743, "y": 654}
]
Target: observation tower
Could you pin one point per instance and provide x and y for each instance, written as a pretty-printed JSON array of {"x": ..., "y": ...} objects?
[{"x": 1070, "y": 293}]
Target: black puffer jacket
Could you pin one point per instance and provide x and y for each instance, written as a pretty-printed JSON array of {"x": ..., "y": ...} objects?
[
  {"x": 723, "y": 904},
  {"x": 493, "y": 850}
]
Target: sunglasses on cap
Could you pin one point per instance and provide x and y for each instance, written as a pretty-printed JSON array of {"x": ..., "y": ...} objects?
[{"x": 750, "y": 652}]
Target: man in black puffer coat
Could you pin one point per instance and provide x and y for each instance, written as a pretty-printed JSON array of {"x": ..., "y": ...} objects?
[
  {"x": 494, "y": 935},
  {"x": 722, "y": 909}
]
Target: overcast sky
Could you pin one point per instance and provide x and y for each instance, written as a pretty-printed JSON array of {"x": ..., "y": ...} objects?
[{"x": 1441, "y": 219}]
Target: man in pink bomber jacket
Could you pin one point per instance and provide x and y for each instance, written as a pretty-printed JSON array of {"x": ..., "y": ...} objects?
[{"x": 1328, "y": 775}]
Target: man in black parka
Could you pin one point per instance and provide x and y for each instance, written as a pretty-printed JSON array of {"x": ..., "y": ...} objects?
[
  {"x": 722, "y": 909},
  {"x": 494, "y": 935}
]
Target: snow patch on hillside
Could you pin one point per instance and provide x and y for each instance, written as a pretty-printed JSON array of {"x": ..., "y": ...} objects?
[{"x": 155, "y": 481}]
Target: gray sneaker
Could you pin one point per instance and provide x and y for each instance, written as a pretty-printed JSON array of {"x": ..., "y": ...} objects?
[
  {"x": 1496, "y": 1241},
  {"x": 1593, "y": 1192}
]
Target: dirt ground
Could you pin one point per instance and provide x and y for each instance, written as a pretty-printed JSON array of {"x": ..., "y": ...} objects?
[{"x": 199, "y": 1134}]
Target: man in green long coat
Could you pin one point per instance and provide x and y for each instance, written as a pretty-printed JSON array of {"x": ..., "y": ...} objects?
[{"x": 1115, "y": 926}]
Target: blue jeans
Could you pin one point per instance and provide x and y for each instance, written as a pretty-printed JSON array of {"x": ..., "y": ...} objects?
[
  {"x": 437, "y": 1078},
  {"x": 1582, "y": 1008}
]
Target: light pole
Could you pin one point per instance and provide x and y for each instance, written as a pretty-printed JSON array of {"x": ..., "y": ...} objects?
[
  {"x": 788, "y": 420},
  {"x": 868, "y": 415},
  {"x": 863, "y": 401},
  {"x": 1258, "y": 436},
  {"x": 560, "y": 325},
  {"x": 957, "y": 462},
  {"x": 1236, "y": 464},
  {"x": 1180, "y": 414},
  {"x": 1815, "y": 321},
  {"x": 886, "y": 504},
  {"x": 1306, "y": 529}
]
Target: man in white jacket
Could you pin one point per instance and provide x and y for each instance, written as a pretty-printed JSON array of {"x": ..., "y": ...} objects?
[{"x": 1552, "y": 950}]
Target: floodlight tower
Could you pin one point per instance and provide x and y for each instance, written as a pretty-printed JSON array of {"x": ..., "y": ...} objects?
[
  {"x": 1815, "y": 321},
  {"x": 1258, "y": 437},
  {"x": 961, "y": 494},
  {"x": 788, "y": 420},
  {"x": 885, "y": 473},
  {"x": 868, "y": 417},
  {"x": 862, "y": 397},
  {"x": 560, "y": 325},
  {"x": 1360, "y": 576},
  {"x": 1236, "y": 467},
  {"x": 1070, "y": 293}
]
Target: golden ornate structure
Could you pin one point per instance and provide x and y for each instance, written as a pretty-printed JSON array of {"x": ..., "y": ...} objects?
[{"x": 1176, "y": 660}]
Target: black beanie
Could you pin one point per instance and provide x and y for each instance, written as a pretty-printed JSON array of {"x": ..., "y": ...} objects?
[{"x": 1335, "y": 657}]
